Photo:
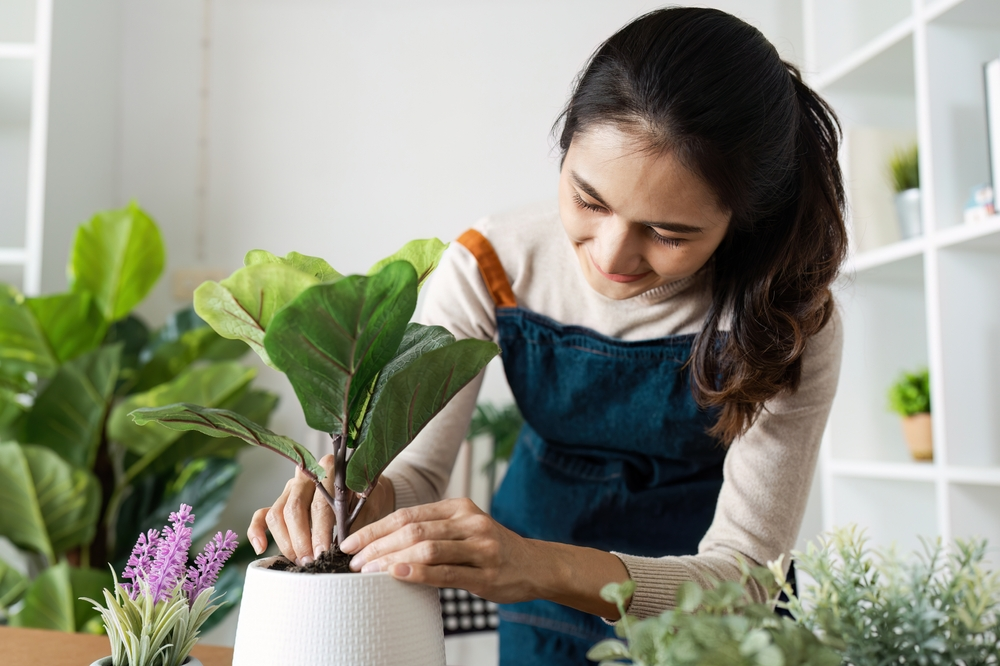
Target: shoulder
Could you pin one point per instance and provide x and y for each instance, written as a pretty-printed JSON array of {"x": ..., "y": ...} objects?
[{"x": 521, "y": 235}]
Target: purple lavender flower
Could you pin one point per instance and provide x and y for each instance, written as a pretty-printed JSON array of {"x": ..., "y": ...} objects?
[
  {"x": 208, "y": 564},
  {"x": 140, "y": 561},
  {"x": 171, "y": 555}
]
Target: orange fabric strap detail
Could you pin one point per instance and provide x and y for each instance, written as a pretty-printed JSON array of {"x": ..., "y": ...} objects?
[{"x": 489, "y": 265}]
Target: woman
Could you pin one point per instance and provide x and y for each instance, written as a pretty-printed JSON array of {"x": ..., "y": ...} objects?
[{"x": 668, "y": 332}]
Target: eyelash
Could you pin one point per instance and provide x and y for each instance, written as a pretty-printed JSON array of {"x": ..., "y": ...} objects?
[{"x": 662, "y": 240}]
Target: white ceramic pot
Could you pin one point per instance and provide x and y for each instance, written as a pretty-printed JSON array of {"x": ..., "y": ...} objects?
[
  {"x": 106, "y": 661},
  {"x": 336, "y": 620},
  {"x": 908, "y": 211}
]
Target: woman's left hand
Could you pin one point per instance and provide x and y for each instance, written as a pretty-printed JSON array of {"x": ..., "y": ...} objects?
[{"x": 450, "y": 543}]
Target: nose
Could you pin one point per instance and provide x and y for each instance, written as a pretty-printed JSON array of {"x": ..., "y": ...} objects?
[{"x": 614, "y": 248}]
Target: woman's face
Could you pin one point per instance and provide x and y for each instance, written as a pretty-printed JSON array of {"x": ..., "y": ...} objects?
[{"x": 637, "y": 218}]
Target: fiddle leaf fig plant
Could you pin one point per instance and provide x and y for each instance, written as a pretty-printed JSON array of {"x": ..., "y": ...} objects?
[{"x": 361, "y": 370}]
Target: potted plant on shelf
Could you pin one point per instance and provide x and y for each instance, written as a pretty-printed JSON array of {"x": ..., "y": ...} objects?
[
  {"x": 939, "y": 608},
  {"x": 719, "y": 625},
  {"x": 372, "y": 380},
  {"x": 910, "y": 397},
  {"x": 904, "y": 170},
  {"x": 155, "y": 619}
]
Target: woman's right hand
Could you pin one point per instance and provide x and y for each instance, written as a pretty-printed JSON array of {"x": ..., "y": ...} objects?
[{"x": 302, "y": 522}]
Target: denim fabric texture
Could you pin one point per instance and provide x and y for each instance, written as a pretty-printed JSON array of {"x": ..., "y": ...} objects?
[{"x": 613, "y": 455}]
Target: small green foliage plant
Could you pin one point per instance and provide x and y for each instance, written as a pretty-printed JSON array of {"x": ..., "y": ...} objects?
[
  {"x": 911, "y": 394},
  {"x": 938, "y": 608},
  {"x": 718, "y": 626},
  {"x": 904, "y": 169},
  {"x": 78, "y": 479},
  {"x": 363, "y": 373}
]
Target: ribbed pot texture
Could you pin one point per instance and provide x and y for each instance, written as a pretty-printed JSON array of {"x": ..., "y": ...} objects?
[{"x": 336, "y": 620}]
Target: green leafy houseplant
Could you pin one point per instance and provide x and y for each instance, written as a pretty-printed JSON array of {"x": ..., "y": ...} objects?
[
  {"x": 72, "y": 365},
  {"x": 938, "y": 608},
  {"x": 719, "y": 626},
  {"x": 911, "y": 394},
  {"x": 904, "y": 169},
  {"x": 363, "y": 373}
]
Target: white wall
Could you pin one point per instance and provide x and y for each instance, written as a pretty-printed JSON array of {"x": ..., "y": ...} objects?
[{"x": 344, "y": 129}]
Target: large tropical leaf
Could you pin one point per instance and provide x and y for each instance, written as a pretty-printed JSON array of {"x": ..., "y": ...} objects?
[
  {"x": 72, "y": 323},
  {"x": 12, "y": 585},
  {"x": 48, "y": 603},
  {"x": 23, "y": 346},
  {"x": 408, "y": 400},
  {"x": 49, "y": 505},
  {"x": 314, "y": 266},
  {"x": 241, "y": 306},
  {"x": 10, "y": 411},
  {"x": 424, "y": 255},
  {"x": 68, "y": 415},
  {"x": 133, "y": 334},
  {"x": 226, "y": 423},
  {"x": 118, "y": 256},
  {"x": 171, "y": 358},
  {"x": 333, "y": 340},
  {"x": 89, "y": 583},
  {"x": 205, "y": 484},
  {"x": 208, "y": 385}
]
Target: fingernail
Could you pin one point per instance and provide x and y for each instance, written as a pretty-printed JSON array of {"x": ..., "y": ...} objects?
[
  {"x": 401, "y": 570},
  {"x": 371, "y": 567},
  {"x": 356, "y": 563},
  {"x": 257, "y": 547},
  {"x": 305, "y": 560},
  {"x": 319, "y": 550},
  {"x": 350, "y": 544}
]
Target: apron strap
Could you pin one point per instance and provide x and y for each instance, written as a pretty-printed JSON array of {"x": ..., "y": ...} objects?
[{"x": 489, "y": 265}]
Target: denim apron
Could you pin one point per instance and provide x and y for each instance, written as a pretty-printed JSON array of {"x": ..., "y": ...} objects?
[{"x": 613, "y": 455}]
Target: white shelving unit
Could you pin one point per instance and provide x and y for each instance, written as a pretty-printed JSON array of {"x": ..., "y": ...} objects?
[
  {"x": 915, "y": 66},
  {"x": 25, "y": 47}
]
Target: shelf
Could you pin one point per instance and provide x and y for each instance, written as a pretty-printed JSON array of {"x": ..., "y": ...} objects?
[
  {"x": 975, "y": 512},
  {"x": 888, "y": 254},
  {"x": 967, "y": 13},
  {"x": 15, "y": 93},
  {"x": 875, "y": 67},
  {"x": 980, "y": 476},
  {"x": 977, "y": 236},
  {"x": 14, "y": 51},
  {"x": 902, "y": 471},
  {"x": 17, "y": 20},
  {"x": 12, "y": 256},
  {"x": 877, "y": 506}
]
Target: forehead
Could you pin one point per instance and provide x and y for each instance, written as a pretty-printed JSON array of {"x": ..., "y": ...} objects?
[{"x": 633, "y": 175}]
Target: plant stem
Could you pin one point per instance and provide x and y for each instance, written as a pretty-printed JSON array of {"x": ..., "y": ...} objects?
[{"x": 341, "y": 493}]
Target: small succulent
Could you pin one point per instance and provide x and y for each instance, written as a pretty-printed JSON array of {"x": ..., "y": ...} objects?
[
  {"x": 904, "y": 169},
  {"x": 720, "y": 625},
  {"x": 154, "y": 620}
]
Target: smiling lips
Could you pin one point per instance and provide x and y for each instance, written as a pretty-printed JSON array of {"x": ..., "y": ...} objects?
[{"x": 618, "y": 277}]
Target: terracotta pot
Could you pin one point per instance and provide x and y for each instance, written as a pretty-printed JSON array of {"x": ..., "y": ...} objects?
[
  {"x": 106, "y": 661},
  {"x": 917, "y": 431},
  {"x": 336, "y": 620}
]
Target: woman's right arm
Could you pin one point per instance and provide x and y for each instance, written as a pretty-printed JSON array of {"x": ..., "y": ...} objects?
[{"x": 300, "y": 520}]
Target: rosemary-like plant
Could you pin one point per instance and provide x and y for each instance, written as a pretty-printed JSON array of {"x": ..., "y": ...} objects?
[{"x": 904, "y": 169}]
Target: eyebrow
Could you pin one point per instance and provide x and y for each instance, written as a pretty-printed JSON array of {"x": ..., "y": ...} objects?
[{"x": 675, "y": 227}]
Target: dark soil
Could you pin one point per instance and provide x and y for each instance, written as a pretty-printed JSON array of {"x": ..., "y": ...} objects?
[{"x": 331, "y": 561}]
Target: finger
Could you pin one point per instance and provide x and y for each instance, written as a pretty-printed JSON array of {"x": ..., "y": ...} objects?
[
  {"x": 275, "y": 522},
  {"x": 439, "y": 575},
  {"x": 322, "y": 524},
  {"x": 257, "y": 532},
  {"x": 406, "y": 536},
  {"x": 296, "y": 514},
  {"x": 429, "y": 553},
  {"x": 395, "y": 521}
]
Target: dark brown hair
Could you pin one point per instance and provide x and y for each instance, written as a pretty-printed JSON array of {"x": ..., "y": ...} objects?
[{"x": 713, "y": 91}]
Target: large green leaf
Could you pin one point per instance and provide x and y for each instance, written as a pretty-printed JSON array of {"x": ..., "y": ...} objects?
[
  {"x": 68, "y": 415},
  {"x": 23, "y": 346},
  {"x": 10, "y": 410},
  {"x": 49, "y": 505},
  {"x": 171, "y": 358},
  {"x": 133, "y": 334},
  {"x": 207, "y": 385},
  {"x": 226, "y": 423},
  {"x": 72, "y": 323},
  {"x": 118, "y": 256},
  {"x": 424, "y": 255},
  {"x": 48, "y": 603},
  {"x": 205, "y": 484},
  {"x": 408, "y": 400},
  {"x": 333, "y": 340},
  {"x": 12, "y": 585},
  {"x": 88, "y": 583},
  {"x": 241, "y": 306},
  {"x": 314, "y": 266}
]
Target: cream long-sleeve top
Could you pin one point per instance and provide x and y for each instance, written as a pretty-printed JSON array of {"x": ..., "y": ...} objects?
[{"x": 767, "y": 472}]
